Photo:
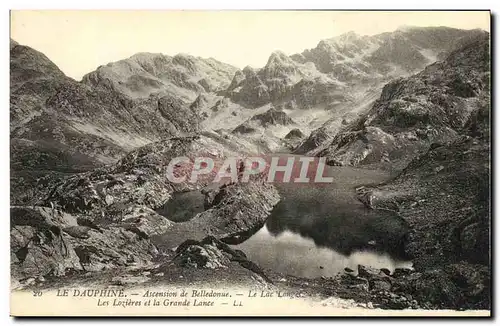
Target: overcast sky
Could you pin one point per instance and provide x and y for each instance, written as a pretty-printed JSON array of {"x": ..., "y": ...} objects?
[{"x": 79, "y": 41}]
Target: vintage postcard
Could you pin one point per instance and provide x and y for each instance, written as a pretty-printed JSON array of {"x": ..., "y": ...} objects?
[{"x": 250, "y": 163}]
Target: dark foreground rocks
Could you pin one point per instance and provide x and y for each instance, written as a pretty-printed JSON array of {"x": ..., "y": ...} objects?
[
  {"x": 444, "y": 195},
  {"x": 46, "y": 241},
  {"x": 107, "y": 219},
  {"x": 454, "y": 286},
  {"x": 206, "y": 263}
]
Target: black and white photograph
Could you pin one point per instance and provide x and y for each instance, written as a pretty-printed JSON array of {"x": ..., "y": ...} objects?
[{"x": 250, "y": 163}]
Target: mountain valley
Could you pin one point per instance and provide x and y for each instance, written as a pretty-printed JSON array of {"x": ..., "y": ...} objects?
[{"x": 403, "y": 117}]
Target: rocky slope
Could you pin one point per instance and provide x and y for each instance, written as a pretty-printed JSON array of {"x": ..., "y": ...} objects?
[
  {"x": 373, "y": 61},
  {"x": 53, "y": 111},
  {"x": 267, "y": 130},
  {"x": 60, "y": 125},
  {"x": 432, "y": 130},
  {"x": 445, "y": 196},
  {"x": 412, "y": 113},
  {"x": 82, "y": 219},
  {"x": 283, "y": 79},
  {"x": 444, "y": 190}
]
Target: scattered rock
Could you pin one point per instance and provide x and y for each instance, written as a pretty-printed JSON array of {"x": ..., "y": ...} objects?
[
  {"x": 385, "y": 271},
  {"x": 212, "y": 253},
  {"x": 294, "y": 133},
  {"x": 81, "y": 232}
]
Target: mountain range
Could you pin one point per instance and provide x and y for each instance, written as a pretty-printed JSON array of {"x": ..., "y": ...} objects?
[{"x": 144, "y": 98}]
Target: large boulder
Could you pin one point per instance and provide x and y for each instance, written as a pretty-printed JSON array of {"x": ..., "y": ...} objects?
[{"x": 236, "y": 208}]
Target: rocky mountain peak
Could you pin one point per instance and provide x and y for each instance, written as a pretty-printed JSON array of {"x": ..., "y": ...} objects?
[
  {"x": 249, "y": 71},
  {"x": 153, "y": 63},
  {"x": 345, "y": 38},
  {"x": 279, "y": 65},
  {"x": 278, "y": 57},
  {"x": 185, "y": 60},
  {"x": 239, "y": 76},
  {"x": 144, "y": 56}
]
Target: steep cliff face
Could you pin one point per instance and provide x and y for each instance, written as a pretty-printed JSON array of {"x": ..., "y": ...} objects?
[
  {"x": 449, "y": 187},
  {"x": 432, "y": 106}
]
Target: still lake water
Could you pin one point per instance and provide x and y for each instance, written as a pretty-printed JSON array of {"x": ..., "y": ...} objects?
[
  {"x": 293, "y": 254},
  {"x": 319, "y": 230}
]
